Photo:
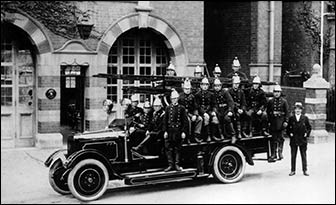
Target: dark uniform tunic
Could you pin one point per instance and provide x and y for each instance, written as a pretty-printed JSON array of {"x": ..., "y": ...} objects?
[
  {"x": 131, "y": 115},
  {"x": 239, "y": 100},
  {"x": 205, "y": 101},
  {"x": 224, "y": 102},
  {"x": 277, "y": 111},
  {"x": 256, "y": 100},
  {"x": 156, "y": 134},
  {"x": 296, "y": 131},
  {"x": 189, "y": 102}
]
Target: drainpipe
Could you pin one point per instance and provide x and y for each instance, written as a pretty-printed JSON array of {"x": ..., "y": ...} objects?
[
  {"x": 271, "y": 43},
  {"x": 321, "y": 49}
]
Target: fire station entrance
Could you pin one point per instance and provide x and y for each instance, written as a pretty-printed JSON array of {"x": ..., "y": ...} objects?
[
  {"x": 17, "y": 88},
  {"x": 72, "y": 98}
]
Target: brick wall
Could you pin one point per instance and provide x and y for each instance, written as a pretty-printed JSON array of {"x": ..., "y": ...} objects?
[
  {"x": 227, "y": 33},
  {"x": 294, "y": 94}
]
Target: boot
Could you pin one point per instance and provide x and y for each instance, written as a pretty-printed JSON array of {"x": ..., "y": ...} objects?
[
  {"x": 280, "y": 157},
  {"x": 207, "y": 133},
  {"x": 216, "y": 131},
  {"x": 239, "y": 135},
  {"x": 169, "y": 154},
  {"x": 177, "y": 160},
  {"x": 198, "y": 138},
  {"x": 264, "y": 132}
]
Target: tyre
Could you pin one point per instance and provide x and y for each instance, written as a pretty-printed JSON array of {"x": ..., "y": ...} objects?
[
  {"x": 88, "y": 180},
  {"x": 229, "y": 165},
  {"x": 56, "y": 179}
]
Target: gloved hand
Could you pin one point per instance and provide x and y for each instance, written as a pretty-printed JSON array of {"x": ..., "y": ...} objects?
[
  {"x": 285, "y": 124},
  {"x": 259, "y": 112},
  {"x": 230, "y": 114},
  {"x": 165, "y": 135},
  {"x": 193, "y": 118},
  {"x": 240, "y": 111},
  {"x": 147, "y": 132},
  {"x": 183, "y": 135}
]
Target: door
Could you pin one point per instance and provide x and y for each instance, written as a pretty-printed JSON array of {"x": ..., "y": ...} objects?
[
  {"x": 17, "y": 94},
  {"x": 72, "y": 98}
]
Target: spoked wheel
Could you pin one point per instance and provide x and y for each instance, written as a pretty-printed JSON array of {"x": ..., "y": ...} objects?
[
  {"x": 88, "y": 180},
  {"x": 56, "y": 179},
  {"x": 229, "y": 165}
]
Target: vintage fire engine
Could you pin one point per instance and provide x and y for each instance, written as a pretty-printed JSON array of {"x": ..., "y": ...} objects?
[{"x": 94, "y": 158}]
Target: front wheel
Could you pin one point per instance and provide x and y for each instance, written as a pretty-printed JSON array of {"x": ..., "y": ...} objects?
[
  {"x": 229, "y": 165},
  {"x": 88, "y": 180},
  {"x": 57, "y": 179}
]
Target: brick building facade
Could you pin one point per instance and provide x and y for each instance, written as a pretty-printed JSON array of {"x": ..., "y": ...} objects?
[{"x": 129, "y": 37}]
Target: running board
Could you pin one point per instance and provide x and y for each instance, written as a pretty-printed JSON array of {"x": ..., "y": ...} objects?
[{"x": 156, "y": 177}]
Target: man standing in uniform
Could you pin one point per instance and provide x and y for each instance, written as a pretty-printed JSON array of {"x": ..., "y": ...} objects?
[
  {"x": 175, "y": 125},
  {"x": 187, "y": 99},
  {"x": 223, "y": 112},
  {"x": 236, "y": 68},
  {"x": 298, "y": 131},
  {"x": 206, "y": 103},
  {"x": 277, "y": 112},
  {"x": 256, "y": 104},
  {"x": 238, "y": 97}
]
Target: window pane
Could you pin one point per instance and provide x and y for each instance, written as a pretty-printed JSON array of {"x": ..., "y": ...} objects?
[
  {"x": 6, "y": 96},
  {"x": 6, "y": 75}
]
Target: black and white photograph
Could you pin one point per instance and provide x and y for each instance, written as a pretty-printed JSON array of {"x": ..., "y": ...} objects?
[{"x": 168, "y": 102}]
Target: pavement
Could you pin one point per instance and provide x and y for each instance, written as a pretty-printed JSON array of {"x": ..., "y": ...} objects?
[{"x": 24, "y": 178}]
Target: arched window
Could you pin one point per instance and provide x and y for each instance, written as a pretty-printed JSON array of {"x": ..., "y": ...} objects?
[{"x": 138, "y": 52}]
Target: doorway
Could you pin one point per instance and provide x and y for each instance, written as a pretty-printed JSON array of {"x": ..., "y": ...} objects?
[{"x": 72, "y": 98}]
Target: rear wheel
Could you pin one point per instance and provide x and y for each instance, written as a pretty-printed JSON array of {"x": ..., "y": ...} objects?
[
  {"x": 56, "y": 179},
  {"x": 88, "y": 180},
  {"x": 229, "y": 165}
]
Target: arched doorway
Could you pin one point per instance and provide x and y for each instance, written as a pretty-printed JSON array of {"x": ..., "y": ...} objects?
[
  {"x": 138, "y": 52},
  {"x": 18, "y": 60}
]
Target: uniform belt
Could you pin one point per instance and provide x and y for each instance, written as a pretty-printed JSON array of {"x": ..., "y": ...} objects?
[
  {"x": 278, "y": 113},
  {"x": 174, "y": 126},
  {"x": 222, "y": 105}
]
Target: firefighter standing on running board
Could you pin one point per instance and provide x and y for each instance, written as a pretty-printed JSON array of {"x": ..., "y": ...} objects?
[
  {"x": 175, "y": 126},
  {"x": 277, "y": 111}
]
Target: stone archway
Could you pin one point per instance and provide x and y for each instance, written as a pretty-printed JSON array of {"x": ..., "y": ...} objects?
[
  {"x": 34, "y": 31},
  {"x": 173, "y": 41}
]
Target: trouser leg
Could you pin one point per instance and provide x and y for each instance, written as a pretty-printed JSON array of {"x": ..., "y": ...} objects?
[
  {"x": 303, "y": 152},
  {"x": 281, "y": 143},
  {"x": 293, "y": 157}
]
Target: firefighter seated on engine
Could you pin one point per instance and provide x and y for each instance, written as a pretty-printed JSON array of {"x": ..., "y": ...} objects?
[
  {"x": 134, "y": 117},
  {"x": 222, "y": 115},
  {"x": 256, "y": 105},
  {"x": 188, "y": 100},
  {"x": 206, "y": 102},
  {"x": 146, "y": 128}
]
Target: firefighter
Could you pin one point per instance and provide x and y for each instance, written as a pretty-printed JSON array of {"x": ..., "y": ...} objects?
[
  {"x": 134, "y": 113},
  {"x": 223, "y": 112},
  {"x": 198, "y": 71},
  {"x": 175, "y": 126},
  {"x": 206, "y": 103},
  {"x": 187, "y": 99},
  {"x": 217, "y": 71},
  {"x": 236, "y": 67},
  {"x": 141, "y": 126},
  {"x": 153, "y": 129},
  {"x": 277, "y": 112},
  {"x": 170, "y": 71},
  {"x": 238, "y": 97},
  {"x": 256, "y": 105}
]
